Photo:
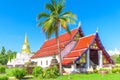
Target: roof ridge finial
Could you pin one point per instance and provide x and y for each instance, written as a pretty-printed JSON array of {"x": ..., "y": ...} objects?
[
  {"x": 79, "y": 24},
  {"x": 97, "y": 30},
  {"x": 26, "y": 38}
]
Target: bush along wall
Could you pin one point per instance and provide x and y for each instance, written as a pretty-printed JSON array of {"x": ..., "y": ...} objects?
[
  {"x": 50, "y": 72},
  {"x": 2, "y": 69},
  {"x": 37, "y": 71},
  {"x": 116, "y": 70}
]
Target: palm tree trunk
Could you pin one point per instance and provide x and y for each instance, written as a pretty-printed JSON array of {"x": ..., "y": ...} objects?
[{"x": 59, "y": 51}]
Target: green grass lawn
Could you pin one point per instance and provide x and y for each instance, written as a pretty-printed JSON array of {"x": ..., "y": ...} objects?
[
  {"x": 8, "y": 73},
  {"x": 86, "y": 77},
  {"x": 109, "y": 76}
]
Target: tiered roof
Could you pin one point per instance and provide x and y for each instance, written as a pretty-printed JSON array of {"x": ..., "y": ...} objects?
[
  {"x": 50, "y": 47},
  {"x": 82, "y": 46}
]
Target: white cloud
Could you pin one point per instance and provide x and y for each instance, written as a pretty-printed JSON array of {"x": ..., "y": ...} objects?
[{"x": 113, "y": 52}]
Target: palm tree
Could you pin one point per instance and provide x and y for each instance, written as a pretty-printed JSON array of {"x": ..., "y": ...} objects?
[{"x": 53, "y": 20}]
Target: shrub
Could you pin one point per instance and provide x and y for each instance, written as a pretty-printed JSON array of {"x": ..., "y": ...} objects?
[
  {"x": 51, "y": 72},
  {"x": 29, "y": 70},
  {"x": 116, "y": 70},
  {"x": 37, "y": 71},
  {"x": 47, "y": 73},
  {"x": 19, "y": 73},
  {"x": 3, "y": 78},
  {"x": 104, "y": 69},
  {"x": 2, "y": 69},
  {"x": 95, "y": 71}
]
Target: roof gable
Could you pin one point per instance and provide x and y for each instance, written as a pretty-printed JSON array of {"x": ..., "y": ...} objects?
[{"x": 81, "y": 46}]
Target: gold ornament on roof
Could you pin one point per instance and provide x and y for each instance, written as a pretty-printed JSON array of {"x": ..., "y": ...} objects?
[{"x": 94, "y": 46}]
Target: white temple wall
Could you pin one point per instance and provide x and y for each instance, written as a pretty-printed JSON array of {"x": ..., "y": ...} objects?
[
  {"x": 44, "y": 61},
  {"x": 49, "y": 58},
  {"x": 68, "y": 70}
]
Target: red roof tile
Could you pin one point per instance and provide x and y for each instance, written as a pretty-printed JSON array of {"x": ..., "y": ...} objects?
[
  {"x": 63, "y": 38},
  {"x": 84, "y": 42},
  {"x": 50, "y": 46},
  {"x": 74, "y": 54},
  {"x": 70, "y": 58},
  {"x": 81, "y": 46},
  {"x": 68, "y": 61}
]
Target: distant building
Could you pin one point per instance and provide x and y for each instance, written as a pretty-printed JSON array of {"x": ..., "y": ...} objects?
[
  {"x": 23, "y": 56},
  {"x": 79, "y": 52}
]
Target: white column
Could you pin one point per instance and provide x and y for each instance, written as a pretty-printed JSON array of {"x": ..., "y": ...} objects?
[
  {"x": 100, "y": 58},
  {"x": 88, "y": 59},
  {"x": 74, "y": 66}
]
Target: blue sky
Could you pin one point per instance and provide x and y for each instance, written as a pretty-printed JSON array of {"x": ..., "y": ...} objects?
[{"x": 18, "y": 17}]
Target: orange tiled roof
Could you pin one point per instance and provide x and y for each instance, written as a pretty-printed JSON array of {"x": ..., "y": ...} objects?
[
  {"x": 84, "y": 42},
  {"x": 50, "y": 46},
  {"x": 81, "y": 47}
]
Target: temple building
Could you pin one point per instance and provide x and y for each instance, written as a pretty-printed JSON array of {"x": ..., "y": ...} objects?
[
  {"x": 78, "y": 52},
  {"x": 22, "y": 57}
]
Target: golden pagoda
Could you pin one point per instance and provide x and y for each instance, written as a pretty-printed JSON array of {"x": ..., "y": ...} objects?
[{"x": 26, "y": 47}]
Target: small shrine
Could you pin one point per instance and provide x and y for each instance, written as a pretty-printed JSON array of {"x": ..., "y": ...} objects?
[{"x": 22, "y": 57}]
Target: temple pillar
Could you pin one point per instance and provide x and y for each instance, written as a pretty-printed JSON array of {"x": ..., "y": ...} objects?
[
  {"x": 100, "y": 62},
  {"x": 88, "y": 59},
  {"x": 74, "y": 66}
]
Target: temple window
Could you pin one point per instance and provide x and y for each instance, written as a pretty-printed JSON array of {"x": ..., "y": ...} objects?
[
  {"x": 41, "y": 62},
  {"x": 46, "y": 62}
]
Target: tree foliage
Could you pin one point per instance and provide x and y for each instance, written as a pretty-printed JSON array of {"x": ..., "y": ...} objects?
[
  {"x": 3, "y": 56},
  {"x": 6, "y": 56},
  {"x": 3, "y": 50},
  {"x": 55, "y": 18},
  {"x": 118, "y": 60}
]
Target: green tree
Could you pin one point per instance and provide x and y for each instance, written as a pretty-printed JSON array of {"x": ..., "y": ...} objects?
[
  {"x": 118, "y": 60},
  {"x": 11, "y": 54},
  {"x": 3, "y": 50},
  {"x": 54, "y": 19},
  {"x": 14, "y": 54},
  {"x": 3, "y": 59},
  {"x": 6, "y": 56},
  {"x": 3, "y": 56}
]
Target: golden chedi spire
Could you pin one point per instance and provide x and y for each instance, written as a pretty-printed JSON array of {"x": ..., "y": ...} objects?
[{"x": 26, "y": 47}]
